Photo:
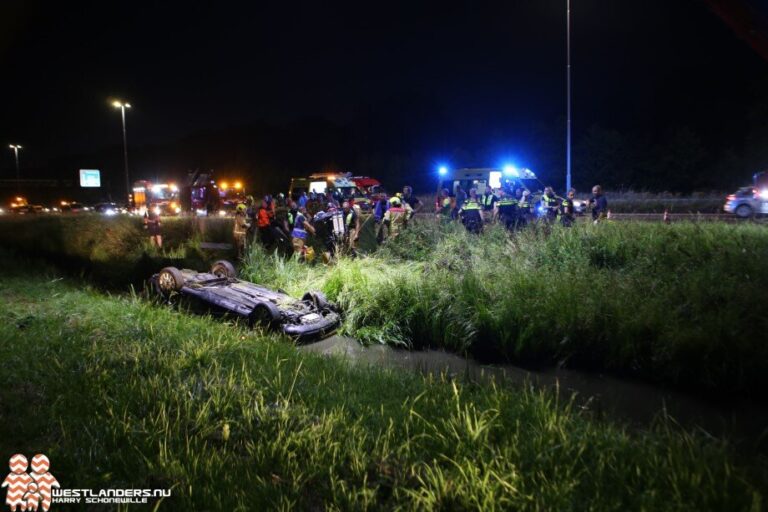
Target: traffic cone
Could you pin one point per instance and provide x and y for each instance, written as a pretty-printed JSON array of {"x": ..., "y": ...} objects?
[{"x": 667, "y": 220}]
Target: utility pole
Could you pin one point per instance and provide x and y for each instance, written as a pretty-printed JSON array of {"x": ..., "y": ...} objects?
[
  {"x": 122, "y": 106},
  {"x": 16, "y": 148},
  {"x": 568, "y": 80}
]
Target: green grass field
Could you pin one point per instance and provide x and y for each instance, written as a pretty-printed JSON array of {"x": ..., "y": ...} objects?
[
  {"x": 121, "y": 392},
  {"x": 675, "y": 304}
]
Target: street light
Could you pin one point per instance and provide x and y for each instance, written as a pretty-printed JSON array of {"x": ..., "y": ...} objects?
[
  {"x": 568, "y": 86},
  {"x": 16, "y": 148},
  {"x": 122, "y": 106}
]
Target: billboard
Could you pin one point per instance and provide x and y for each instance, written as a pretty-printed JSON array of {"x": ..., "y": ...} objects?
[{"x": 90, "y": 178}]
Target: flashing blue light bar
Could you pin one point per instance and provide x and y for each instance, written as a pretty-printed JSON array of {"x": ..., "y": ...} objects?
[{"x": 511, "y": 170}]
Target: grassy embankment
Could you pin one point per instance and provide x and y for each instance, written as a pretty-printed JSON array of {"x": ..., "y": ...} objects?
[
  {"x": 114, "y": 251},
  {"x": 679, "y": 305},
  {"x": 121, "y": 393}
]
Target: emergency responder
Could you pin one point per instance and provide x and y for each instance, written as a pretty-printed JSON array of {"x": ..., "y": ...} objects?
[
  {"x": 599, "y": 204},
  {"x": 443, "y": 205},
  {"x": 395, "y": 218},
  {"x": 301, "y": 227},
  {"x": 524, "y": 207},
  {"x": 470, "y": 213},
  {"x": 152, "y": 225},
  {"x": 351, "y": 227},
  {"x": 506, "y": 210},
  {"x": 290, "y": 216},
  {"x": 264, "y": 223},
  {"x": 567, "y": 209},
  {"x": 551, "y": 204},
  {"x": 411, "y": 200},
  {"x": 240, "y": 230},
  {"x": 489, "y": 199}
]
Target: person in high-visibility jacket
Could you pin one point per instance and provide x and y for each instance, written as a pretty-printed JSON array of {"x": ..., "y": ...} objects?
[
  {"x": 506, "y": 210},
  {"x": 443, "y": 205},
  {"x": 470, "y": 213},
  {"x": 567, "y": 209},
  {"x": 396, "y": 217},
  {"x": 351, "y": 227},
  {"x": 240, "y": 230},
  {"x": 301, "y": 229},
  {"x": 489, "y": 199},
  {"x": 550, "y": 202}
]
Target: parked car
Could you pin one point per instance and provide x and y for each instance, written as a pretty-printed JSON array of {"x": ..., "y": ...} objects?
[
  {"x": 742, "y": 203},
  {"x": 223, "y": 293}
]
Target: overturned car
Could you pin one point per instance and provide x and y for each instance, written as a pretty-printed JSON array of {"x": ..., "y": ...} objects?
[{"x": 220, "y": 290}]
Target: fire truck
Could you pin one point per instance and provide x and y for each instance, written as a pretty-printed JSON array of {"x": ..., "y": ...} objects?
[{"x": 163, "y": 197}]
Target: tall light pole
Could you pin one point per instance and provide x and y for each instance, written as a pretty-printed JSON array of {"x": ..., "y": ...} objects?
[
  {"x": 568, "y": 86},
  {"x": 122, "y": 106},
  {"x": 16, "y": 148}
]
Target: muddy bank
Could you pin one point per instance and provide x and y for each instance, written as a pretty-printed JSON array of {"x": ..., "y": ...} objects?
[{"x": 636, "y": 403}]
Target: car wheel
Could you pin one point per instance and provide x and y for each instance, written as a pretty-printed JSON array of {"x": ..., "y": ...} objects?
[
  {"x": 169, "y": 280},
  {"x": 743, "y": 211},
  {"x": 223, "y": 268},
  {"x": 265, "y": 315},
  {"x": 318, "y": 299}
]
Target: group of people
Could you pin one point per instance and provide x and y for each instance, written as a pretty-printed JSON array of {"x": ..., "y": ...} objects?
[
  {"x": 515, "y": 208},
  {"x": 335, "y": 220},
  {"x": 280, "y": 222}
]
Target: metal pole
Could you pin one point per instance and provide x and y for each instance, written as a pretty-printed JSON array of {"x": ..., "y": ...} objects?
[
  {"x": 125, "y": 158},
  {"x": 18, "y": 175},
  {"x": 568, "y": 79}
]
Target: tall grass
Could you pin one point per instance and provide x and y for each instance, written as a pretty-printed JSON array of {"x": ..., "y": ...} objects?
[
  {"x": 121, "y": 393},
  {"x": 677, "y": 304},
  {"x": 114, "y": 251}
]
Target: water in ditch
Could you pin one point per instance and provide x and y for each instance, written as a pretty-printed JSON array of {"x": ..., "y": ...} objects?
[{"x": 632, "y": 402}]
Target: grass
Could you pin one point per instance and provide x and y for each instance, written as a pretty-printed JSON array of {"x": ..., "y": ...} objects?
[
  {"x": 119, "y": 392},
  {"x": 114, "y": 251},
  {"x": 674, "y": 304}
]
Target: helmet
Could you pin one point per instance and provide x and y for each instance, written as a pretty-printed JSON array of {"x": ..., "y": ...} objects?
[
  {"x": 395, "y": 201},
  {"x": 241, "y": 207}
]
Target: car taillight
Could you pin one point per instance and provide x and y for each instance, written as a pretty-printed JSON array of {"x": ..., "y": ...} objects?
[{"x": 731, "y": 197}]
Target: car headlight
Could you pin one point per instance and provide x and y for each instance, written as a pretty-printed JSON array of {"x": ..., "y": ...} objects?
[{"x": 764, "y": 194}]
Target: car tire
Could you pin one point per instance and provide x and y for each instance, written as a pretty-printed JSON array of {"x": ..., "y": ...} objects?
[
  {"x": 223, "y": 268},
  {"x": 318, "y": 299},
  {"x": 265, "y": 315},
  {"x": 744, "y": 211},
  {"x": 169, "y": 280}
]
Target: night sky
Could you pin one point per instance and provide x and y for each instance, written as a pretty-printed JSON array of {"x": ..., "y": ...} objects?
[{"x": 467, "y": 78}]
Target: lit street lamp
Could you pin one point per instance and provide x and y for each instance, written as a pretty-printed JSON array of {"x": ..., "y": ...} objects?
[
  {"x": 122, "y": 106},
  {"x": 16, "y": 148}
]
